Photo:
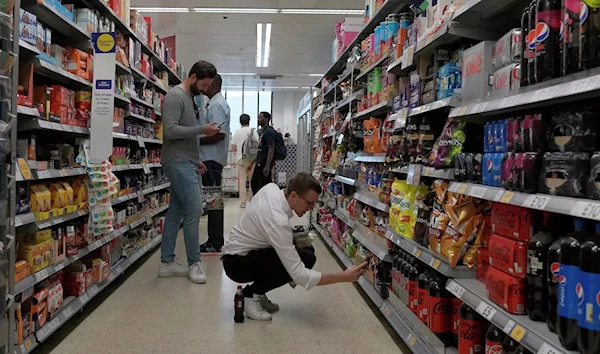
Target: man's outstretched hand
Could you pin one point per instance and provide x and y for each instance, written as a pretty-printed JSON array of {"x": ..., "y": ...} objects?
[
  {"x": 211, "y": 129},
  {"x": 201, "y": 168},
  {"x": 354, "y": 272}
]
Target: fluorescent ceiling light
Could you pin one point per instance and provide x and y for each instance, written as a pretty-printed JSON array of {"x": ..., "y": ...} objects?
[
  {"x": 234, "y": 10},
  {"x": 259, "y": 27},
  {"x": 241, "y": 74},
  {"x": 161, "y": 9},
  {"x": 267, "y": 55},
  {"x": 321, "y": 12}
]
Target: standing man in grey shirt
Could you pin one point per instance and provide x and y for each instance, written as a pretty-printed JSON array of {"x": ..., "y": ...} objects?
[
  {"x": 180, "y": 160},
  {"x": 213, "y": 152}
]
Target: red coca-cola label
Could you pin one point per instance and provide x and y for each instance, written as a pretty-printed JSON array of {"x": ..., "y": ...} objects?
[
  {"x": 470, "y": 337},
  {"x": 422, "y": 304},
  {"x": 508, "y": 255},
  {"x": 454, "y": 314},
  {"x": 412, "y": 297},
  {"x": 438, "y": 316},
  {"x": 483, "y": 262},
  {"x": 506, "y": 291},
  {"x": 512, "y": 221},
  {"x": 492, "y": 347}
]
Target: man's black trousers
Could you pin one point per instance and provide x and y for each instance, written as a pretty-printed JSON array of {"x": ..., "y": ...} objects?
[
  {"x": 263, "y": 269},
  {"x": 216, "y": 218}
]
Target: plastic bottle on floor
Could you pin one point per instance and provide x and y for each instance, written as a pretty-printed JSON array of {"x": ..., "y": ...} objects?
[{"x": 239, "y": 306}]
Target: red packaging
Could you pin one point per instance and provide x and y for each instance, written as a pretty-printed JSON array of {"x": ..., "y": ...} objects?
[
  {"x": 422, "y": 304},
  {"x": 438, "y": 314},
  {"x": 483, "y": 263},
  {"x": 512, "y": 221},
  {"x": 506, "y": 291},
  {"x": 470, "y": 336},
  {"x": 454, "y": 312},
  {"x": 59, "y": 95},
  {"x": 413, "y": 296},
  {"x": 508, "y": 255}
]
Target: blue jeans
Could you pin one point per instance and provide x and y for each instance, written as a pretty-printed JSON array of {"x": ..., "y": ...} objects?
[{"x": 186, "y": 205}]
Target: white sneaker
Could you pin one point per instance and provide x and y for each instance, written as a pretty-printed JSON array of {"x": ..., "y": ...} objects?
[
  {"x": 173, "y": 270},
  {"x": 195, "y": 274},
  {"x": 254, "y": 310},
  {"x": 267, "y": 304}
]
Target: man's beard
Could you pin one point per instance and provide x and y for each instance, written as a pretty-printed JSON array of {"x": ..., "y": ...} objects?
[{"x": 195, "y": 91}]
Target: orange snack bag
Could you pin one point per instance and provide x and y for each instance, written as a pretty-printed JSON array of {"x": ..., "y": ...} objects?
[{"x": 372, "y": 135}]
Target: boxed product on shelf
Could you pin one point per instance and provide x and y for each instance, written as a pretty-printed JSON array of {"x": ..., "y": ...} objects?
[
  {"x": 86, "y": 19},
  {"x": 507, "y": 49},
  {"x": 507, "y": 80},
  {"x": 25, "y": 88},
  {"x": 59, "y": 245},
  {"x": 513, "y": 221},
  {"x": 40, "y": 199},
  {"x": 60, "y": 55},
  {"x": 506, "y": 291},
  {"x": 38, "y": 255},
  {"x": 60, "y": 8},
  {"x": 39, "y": 309},
  {"x": 22, "y": 270},
  {"x": 79, "y": 63},
  {"x": 477, "y": 71},
  {"x": 28, "y": 26},
  {"x": 508, "y": 255}
]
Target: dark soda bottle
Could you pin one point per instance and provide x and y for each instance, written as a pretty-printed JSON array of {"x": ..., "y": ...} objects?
[
  {"x": 524, "y": 45},
  {"x": 405, "y": 274},
  {"x": 570, "y": 32},
  {"x": 553, "y": 272},
  {"x": 471, "y": 331},
  {"x": 238, "y": 317},
  {"x": 439, "y": 311},
  {"x": 569, "y": 287},
  {"x": 530, "y": 47},
  {"x": 547, "y": 40},
  {"x": 395, "y": 273},
  {"x": 590, "y": 34},
  {"x": 423, "y": 296},
  {"x": 509, "y": 345},
  {"x": 537, "y": 281},
  {"x": 454, "y": 315},
  {"x": 589, "y": 318},
  {"x": 413, "y": 300},
  {"x": 522, "y": 350},
  {"x": 493, "y": 340}
]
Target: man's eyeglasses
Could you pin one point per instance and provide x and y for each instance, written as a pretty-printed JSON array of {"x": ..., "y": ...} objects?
[{"x": 311, "y": 204}]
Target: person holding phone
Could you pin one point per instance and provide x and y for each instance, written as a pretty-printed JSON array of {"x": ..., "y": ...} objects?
[
  {"x": 180, "y": 161},
  {"x": 261, "y": 250},
  {"x": 213, "y": 152}
]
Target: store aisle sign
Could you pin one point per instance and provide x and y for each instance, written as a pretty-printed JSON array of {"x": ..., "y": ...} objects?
[{"x": 103, "y": 95}]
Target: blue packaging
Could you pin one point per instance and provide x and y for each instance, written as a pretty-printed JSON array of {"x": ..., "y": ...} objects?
[
  {"x": 500, "y": 139},
  {"x": 567, "y": 295},
  {"x": 497, "y": 170},
  {"x": 488, "y": 138},
  {"x": 486, "y": 169}
]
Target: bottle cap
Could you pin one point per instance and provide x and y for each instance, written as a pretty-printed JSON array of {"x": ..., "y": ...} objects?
[{"x": 579, "y": 223}]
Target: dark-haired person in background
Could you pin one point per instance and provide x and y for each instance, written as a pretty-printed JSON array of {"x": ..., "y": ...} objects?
[
  {"x": 180, "y": 161},
  {"x": 213, "y": 152},
  {"x": 261, "y": 249},
  {"x": 266, "y": 154}
]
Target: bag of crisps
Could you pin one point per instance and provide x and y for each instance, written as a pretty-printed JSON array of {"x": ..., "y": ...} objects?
[
  {"x": 406, "y": 211},
  {"x": 454, "y": 241},
  {"x": 372, "y": 135}
]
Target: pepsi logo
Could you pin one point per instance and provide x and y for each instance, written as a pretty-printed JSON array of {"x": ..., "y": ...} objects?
[
  {"x": 530, "y": 38},
  {"x": 555, "y": 268},
  {"x": 490, "y": 164},
  {"x": 598, "y": 298},
  {"x": 579, "y": 292},
  {"x": 583, "y": 12},
  {"x": 542, "y": 31},
  {"x": 563, "y": 24},
  {"x": 562, "y": 280}
]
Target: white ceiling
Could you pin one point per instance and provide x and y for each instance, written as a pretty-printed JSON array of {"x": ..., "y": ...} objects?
[{"x": 300, "y": 44}]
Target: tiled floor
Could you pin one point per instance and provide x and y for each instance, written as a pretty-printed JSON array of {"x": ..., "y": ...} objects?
[{"x": 146, "y": 314}]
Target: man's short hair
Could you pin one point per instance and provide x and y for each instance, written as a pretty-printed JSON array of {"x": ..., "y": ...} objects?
[
  {"x": 266, "y": 115},
  {"x": 301, "y": 183},
  {"x": 217, "y": 82},
  {"x": 244, "y": 119},
  {"x": 203, "y": 69}
]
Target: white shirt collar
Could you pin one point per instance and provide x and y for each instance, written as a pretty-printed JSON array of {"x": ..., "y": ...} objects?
[{"x": 286, "y": 205}]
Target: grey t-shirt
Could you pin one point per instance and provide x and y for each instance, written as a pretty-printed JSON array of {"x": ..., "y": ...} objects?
[{"x": 180, "y": 126}]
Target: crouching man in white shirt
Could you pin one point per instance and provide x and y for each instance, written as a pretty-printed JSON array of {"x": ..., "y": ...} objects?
[{"x": 261, "y": 247}]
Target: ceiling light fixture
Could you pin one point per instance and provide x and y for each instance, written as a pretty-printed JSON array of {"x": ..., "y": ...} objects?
[
  {"x": 259, "y": 27},
  {"x": 241, "y": 74},
  {"x": 161, "y": 9},
  {"x": 321, "y": 12},
  {"x": 234, "y": 10},
  {"x": 267, "y": 56}
]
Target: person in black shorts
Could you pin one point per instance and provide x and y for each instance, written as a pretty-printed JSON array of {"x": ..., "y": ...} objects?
[{"x": 266, "y": 154}]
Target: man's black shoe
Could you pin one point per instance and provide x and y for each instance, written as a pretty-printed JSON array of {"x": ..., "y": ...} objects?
[{"x": 209, "y": 249}]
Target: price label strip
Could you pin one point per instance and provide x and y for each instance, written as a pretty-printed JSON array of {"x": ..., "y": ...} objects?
[
  {"x": 43, "y": 174},
  {"x": 486, "y": 311},
  {"x": 462, "y": 188},
  {"x": 587, "y": 210},
  {"x": 547, "y": 349},
  {"x": 456, "y": 289},
  {"x": 536, "y": 201},
  {"x": 477, "y": 192},
  {"x": 68, "y": 311},
  {"x": 499, "y": 196}
]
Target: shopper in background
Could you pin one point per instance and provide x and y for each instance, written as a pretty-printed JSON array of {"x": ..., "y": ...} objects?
[
  {"x": 244, "y": 142},
  {"x": 180, "y": 162},
  {"x": 213, "y": 152},
  {"x": 266, "y": 153},
  {"x": 261, "y": 249}
]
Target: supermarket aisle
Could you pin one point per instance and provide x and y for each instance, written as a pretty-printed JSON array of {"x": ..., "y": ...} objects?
[{"x": 151, "y": 315}]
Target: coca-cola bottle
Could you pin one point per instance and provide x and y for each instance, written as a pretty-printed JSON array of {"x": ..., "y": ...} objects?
[
  {"x": 493, "y": 340},
  {"x": 413, "y": 299},
  {"x": 238, "y": 300},
  {"x": 454, "y": 315},
  {"x": 509, "y": 345},
  {"x": 423, "y": 295},
  {"x": 405, "y": 274},
  {"x": 395, "y": 274},
  {"x": 471, "y": 331},
  {"x": 537, "y": 278},
  {"x": 439, "y": 310}
]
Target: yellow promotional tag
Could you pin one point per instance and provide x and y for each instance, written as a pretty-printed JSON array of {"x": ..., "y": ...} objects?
[
  {"x": 507, "y": 197},
  {"x": 462, "y": 189},
  {"x": 24, "y": 168},
  {"x": 518, "y": 333},
  {"x": 436, "y": 264}
]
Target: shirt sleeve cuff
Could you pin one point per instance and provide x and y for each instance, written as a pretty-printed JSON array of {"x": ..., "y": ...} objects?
[{"x": 315, "y": 278}]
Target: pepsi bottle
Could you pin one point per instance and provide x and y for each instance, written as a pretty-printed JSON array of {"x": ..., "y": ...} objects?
[
  {"x": 569, "y": 288},
  {"x": 547, "y": 40},
  {"x": 537, "y": 278},
  {"x": 570, "y": 32},
  {"x": 493, "y": 340},
  {"x": 530, "y": 47},
  {"x": 589, "y": 318},
  {"x": 553, "y": 272},
  {"x": 590, "y": 34},
  {"x": 525, "y": 47}
]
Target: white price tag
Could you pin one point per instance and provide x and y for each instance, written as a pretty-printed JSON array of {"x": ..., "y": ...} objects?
[
  {"x": 53, "y": 324},
  {"x": 94, "y": 289},
  {"x": 543, "y": 95},
  {"x": 44, "y": 124},
  {"x": 41, "y": 275},
  {"x": 548, "y": 349},
  {"x": 498, "y": 196},
  {"x": 119, "y": 270},
  {"x": 58, "y": 221},
  {"x": 140, "y": 196},
  {"x": 84, "y": 298},
  {"x": 44, "y": 174},
  {"x": 509, "y": 326},
  {"x": 56, "y": 126},
  {"x": 536, "y": 201},
  {"x": 486, "y": 311},
  {"x": 44, "y": 225},
  {"x": 146, "y": 168},
  {"x": 69, "y": 128},
  {"x": 18, "y": 221},
  {"x": 98, "y": 243},
  {"x": 587, "y": 210},
  {"x": 112, "y": 276},
  {"x": 584, "y": 85},
  {"x": 59, "y": 266},
  {"x": 480, "y": 107},
  {"x": 148, "y": 219},
  {"x": 456, "y": 289},
  {"x": 140, "y": 141},
  {"x": 477, "y": 192},
  {"x": 68, "y": 311},
  {"x": 510, "y": 101}
]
